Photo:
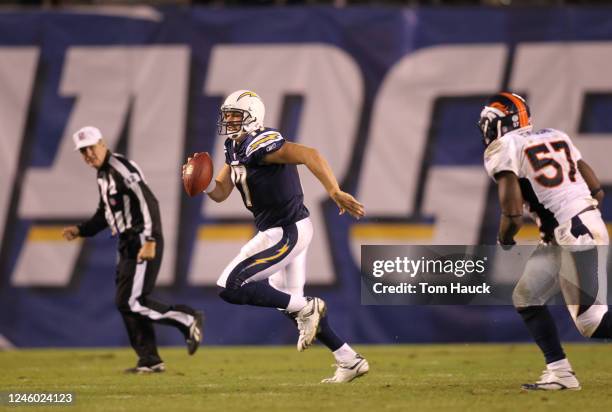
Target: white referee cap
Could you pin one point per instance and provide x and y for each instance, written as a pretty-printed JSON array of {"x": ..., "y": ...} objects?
[{"x": 86, "y": 136}]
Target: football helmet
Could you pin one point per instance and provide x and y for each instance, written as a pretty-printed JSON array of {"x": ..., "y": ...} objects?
[
  {"x": 242, "y": 112},
  {"x": 503, "y": 113}
]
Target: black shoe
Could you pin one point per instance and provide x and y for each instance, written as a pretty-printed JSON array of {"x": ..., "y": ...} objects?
[
  {"x": 196, "y": 333},
  {"x": 140, "y": 370}
]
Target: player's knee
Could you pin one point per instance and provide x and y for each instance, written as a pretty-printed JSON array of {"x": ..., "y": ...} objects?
[
  {"x": 221, "y": 282},
  {"x": 131, "y": 305},
  {"x": 529, "y": 313},
  {"x": 122, "y": 305},
  {"x": 595, "y": 322},
  {"x": 519, "y": 299},
  {"x": 585, "y": 328},
  {"x": 234, "y": 296},
  {"x": 229, "y": 282}
]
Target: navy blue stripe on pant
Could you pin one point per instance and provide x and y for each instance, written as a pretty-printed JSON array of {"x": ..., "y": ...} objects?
[{"x": 264, "y": 259}]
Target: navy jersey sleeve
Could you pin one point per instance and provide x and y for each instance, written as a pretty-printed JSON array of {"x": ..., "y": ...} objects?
[
  {"x": 95, "y": 224},
  {"x": 262, "y": 145}
]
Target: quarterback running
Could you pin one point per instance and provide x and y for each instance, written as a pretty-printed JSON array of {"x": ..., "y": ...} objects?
[
  {"x": 270, "y": 270},
  {"x": 544, "y": 171}
]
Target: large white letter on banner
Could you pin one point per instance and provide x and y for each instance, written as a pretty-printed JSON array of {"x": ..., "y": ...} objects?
[
  {"x": 105, "y": 81},
  {"x": 556, "y": 77},
  {"x": 17, "y": 71},
  {"x": 401, "y": 118}
]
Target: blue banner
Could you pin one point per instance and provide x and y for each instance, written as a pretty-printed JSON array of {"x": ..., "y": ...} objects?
[{"x": 389, "y": 96}]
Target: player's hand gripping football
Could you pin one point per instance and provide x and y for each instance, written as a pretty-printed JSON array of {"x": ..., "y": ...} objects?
[
  {"x": 185, "y": 165},
  {"x": 146, "y": 252},
  {"x": 347, "y": 203},
  {"x": 70, "y": 232}
]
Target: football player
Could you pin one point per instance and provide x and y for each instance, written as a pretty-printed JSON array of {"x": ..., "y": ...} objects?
[
  {"x": 544, "y": 171},
  {"x": 270, "y": 269}
]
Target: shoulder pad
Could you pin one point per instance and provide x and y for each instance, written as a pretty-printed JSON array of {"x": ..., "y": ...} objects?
[{"x": 262, "y": 140}]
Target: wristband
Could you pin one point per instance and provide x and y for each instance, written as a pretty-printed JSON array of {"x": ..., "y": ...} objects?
[
  {"x": 149, "y": 239},
  {"x": 595, "y": 191}
]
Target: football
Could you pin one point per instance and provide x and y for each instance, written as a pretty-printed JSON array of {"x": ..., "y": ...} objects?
[{"x": 198, "y": 173}]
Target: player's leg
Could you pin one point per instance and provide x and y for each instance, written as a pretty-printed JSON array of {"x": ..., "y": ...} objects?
[
  {"x": 538, "y": 283},
  {"x": 140, "y": 329},
  {"x": 291, "y": 280},
  {"x": 349, "y": 364},
  {"x": 244, "y": 280},
  {"x": 585, "y": 274}
]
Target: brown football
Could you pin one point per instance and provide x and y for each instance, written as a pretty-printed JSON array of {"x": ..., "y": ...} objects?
[{"x": 198, "y": 174}]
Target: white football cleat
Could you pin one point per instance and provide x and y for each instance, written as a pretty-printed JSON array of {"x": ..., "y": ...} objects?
[
  {"x": 308, "y": 322},
  {"x": 347, "y": 371},
  {"x": 554, "y": 380},
  {"x": 143, "y": 370}
]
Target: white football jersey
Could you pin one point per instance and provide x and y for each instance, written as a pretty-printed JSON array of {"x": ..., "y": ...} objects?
[{"x": 546, "y": 164}]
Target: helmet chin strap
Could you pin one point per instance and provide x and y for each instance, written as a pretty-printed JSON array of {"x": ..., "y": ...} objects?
[{"x": 238, "y": 136}]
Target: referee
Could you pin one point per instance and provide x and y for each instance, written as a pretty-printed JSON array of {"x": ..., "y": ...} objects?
[{"x": 128, "y": 207}]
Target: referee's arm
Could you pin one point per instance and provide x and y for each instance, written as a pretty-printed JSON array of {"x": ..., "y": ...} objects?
[
  {"x": 88, "y": 228},
  {"x": 149, "y": 207},
  {"x": 95, "y": 224},
  {"x": 152, "y": 221}
]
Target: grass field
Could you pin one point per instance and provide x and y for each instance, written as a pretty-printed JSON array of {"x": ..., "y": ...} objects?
[{"x": 401, "y": 378}]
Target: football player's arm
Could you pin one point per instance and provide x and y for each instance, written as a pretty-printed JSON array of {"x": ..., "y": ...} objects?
[
  {"x": 511, "y": 202},
  {"x": 591, "y": 180},
  {"x": 293, "y": 153},
  {"x": 223, "y": 185}
]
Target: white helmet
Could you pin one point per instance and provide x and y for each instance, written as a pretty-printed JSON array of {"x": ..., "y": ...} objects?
[{"x": 251, "y": 108}]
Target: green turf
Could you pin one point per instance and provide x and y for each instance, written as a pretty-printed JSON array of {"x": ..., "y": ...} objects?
[{"x": 402, "y": 378}]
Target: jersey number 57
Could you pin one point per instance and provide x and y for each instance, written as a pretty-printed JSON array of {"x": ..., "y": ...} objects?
[{"x": 539, "y": 158}]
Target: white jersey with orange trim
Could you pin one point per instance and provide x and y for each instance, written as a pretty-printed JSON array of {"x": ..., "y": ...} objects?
[{"x": 546, "y": 165}]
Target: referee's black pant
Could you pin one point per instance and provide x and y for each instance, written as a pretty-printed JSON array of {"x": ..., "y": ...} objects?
[{"x": 135, "y": 282}]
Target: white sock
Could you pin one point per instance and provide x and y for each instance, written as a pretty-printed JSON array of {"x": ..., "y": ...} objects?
[
  {"x": 562, "y": 364},
  {"x": 344, "y": 353},
  {"x": 296, "y": 303}
]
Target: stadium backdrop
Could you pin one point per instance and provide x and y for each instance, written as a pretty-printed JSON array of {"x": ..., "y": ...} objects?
[{"x": 390, "y": 96}]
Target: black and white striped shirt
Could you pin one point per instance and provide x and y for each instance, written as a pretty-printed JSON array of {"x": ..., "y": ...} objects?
[{"x": 127, "y": 205}]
